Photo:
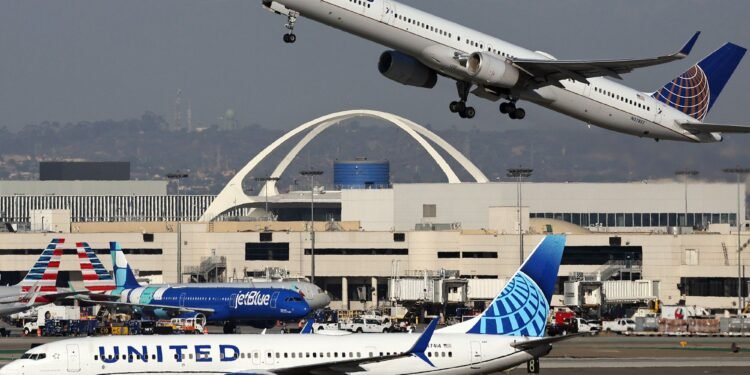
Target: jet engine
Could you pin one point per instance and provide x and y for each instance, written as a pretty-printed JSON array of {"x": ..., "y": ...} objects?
[
  {"x": 489, "y": 70},
  {"x": 406, "y": 70}
]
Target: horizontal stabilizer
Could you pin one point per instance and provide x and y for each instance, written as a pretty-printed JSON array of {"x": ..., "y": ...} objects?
[
  {"x": 714, "y": 128},
  {"x": 531, "y": 344}
]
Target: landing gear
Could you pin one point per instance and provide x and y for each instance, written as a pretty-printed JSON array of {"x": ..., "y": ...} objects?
[
  {"x": 510, "y": 109},
  {"x": 460, "y": 106},
  {"x": 291, "y": 20},
  {"x": 230, "y": 327}
]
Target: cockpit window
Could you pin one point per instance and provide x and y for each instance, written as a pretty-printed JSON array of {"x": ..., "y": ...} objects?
[
  {"x": 293, "y": 299},
  {"x": 33, "y": 356}
]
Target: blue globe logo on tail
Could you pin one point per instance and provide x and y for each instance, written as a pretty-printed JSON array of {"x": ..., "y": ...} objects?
[
  {"x": 522, "y": 307},
  {"x": 688, "y": 93}
]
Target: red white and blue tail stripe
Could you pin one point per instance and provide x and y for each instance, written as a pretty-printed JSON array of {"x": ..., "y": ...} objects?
[
  {"x": 95, "y": 276},
  {"x": 42, "y": 276}
]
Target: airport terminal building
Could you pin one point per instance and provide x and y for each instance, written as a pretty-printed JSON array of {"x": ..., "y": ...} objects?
[{"x": 376, "y": 242}]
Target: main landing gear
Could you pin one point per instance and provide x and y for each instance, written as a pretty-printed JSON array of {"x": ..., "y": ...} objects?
[
  {"x": 290, "y": 37},
  {"x": 510, "y": 109},
  {"x": 460, "y": 106}
]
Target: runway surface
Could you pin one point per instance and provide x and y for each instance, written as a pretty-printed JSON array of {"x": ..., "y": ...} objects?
[{"x": 610, "y": 355}]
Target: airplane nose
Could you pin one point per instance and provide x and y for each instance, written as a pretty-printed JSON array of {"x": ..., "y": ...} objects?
[{"x": 9, "y": 369}]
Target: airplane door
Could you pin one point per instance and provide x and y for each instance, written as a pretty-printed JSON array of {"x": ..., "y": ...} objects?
[
  {"x": 268, "y": 357},
  {"x": 274, "y": 297},
  {"x": 74, "y": 358},
  {"x": 182, "y": 300},
  {"x": 389, "y": 11},
  {"x": 233, "y": 301},
  {"x": 659, "y": 116},
  {"x": 476, "y": 355}
]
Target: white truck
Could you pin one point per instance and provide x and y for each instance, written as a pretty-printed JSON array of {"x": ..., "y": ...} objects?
[
  {"x": 369, "y": 325},
  {"x": 592, "y": 327},
  {"x": 619, "y": 325},
  {"x": 50, "y": 311}
]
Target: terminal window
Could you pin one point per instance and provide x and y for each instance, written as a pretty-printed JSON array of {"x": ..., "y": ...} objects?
[
  {"x": 266, "y": 251},
  {"x": 429, "y": 210}
]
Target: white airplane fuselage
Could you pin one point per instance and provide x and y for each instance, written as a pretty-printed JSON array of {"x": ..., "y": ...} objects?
[
  {"x": 602, "y": 102},
  {"x": 220, "y": 354}
]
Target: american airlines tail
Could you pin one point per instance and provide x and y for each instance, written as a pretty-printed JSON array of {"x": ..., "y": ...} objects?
[
  {"x": 695, "y": 92},
  {"x": 95, "y": 276},
  {"x": 42, "y": 276},
  {"x": 124, "y": 277},
  {"x": 521, "y": 309}
]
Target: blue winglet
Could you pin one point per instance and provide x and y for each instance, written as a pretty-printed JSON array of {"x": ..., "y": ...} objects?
[
  {"x": 689, "y": 45},
  {"x": 424, "y": 340},
  {"x": 308, "y": 327}
]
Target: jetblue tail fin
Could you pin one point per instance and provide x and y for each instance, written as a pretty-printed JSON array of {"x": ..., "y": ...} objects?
[
  {"x": 522, "y": 307},
  {"x": 95, "y": 276},
  {"x": 43, "y": 274},
  {"x": 124, "y": 277},
  {"x": 695, "y": 92}
]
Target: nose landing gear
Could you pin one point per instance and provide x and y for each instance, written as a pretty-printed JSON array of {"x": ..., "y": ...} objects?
[{"x": 290, "y": 37}]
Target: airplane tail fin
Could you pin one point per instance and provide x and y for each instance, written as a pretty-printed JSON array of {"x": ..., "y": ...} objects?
[
  {"x": 695, "y": 92},
  {"x": 124, "y": 277},
  {"x": 43, "y": 274},
  {"x": 95, "y": 276},
  {"x": 521, "y": 309}
]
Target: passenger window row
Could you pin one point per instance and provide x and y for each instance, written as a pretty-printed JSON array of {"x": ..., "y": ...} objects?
[
  {"x": 439, "y": 31},
  {"x": 256, "y": 355},
  {"x": 360, "y": 2},
  {"x": 623, "y": 99}
]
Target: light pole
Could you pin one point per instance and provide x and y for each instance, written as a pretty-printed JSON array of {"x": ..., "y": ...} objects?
[
  {"x": 177, "y": 177},
  {"x": 686, "y": 174},
  {"x": 312, "y": 174},
  {"x": 740, "y": 172},
  {"x": 519, "y": 173},
  {"x": 265, "y": 188}
]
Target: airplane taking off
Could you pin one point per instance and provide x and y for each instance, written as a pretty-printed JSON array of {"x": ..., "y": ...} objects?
[
  {"x": 508, "y": 333},
  {"x": 38, "y": 286},
  {"x": 426, "y": 46},
  {"x": 259, "y": 307},
  {"x": 97, "y": 280}
]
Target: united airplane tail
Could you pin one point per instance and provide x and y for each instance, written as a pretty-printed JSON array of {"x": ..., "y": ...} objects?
[
  {"x": 124, "y": 277},
  {"x": 521, "y": 309},
  {"x": 695, "y": 92},
  {"x": 95, "y": 276},
  {"x": 42, "y": 276}
]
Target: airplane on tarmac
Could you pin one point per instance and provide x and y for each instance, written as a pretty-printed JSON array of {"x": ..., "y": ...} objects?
[
  {"x": 38, "y": 286},
  {"x": 425, "y": 46},
  {"x": 259, "y": 307},
  {"x": 508, "y": 333},
  {"x": 97, "y": 279}
]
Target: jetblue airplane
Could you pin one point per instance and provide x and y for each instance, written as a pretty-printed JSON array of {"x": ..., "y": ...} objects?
[
  {"x": 507, "y": 334},
  {"x": 425, "y": 46},
  {"x": 38, "y": 287},
  {"x": 97, "y": 280},
  {"x": 259, "y": 307}
]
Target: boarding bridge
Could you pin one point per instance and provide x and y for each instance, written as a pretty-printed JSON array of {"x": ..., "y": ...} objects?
[
  {"x": 438, "y": 287},
  {"x": 595, "y": 293}
]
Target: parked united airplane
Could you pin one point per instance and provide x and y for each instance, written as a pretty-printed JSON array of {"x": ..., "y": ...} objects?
[
  {"x": 259, "y": 307},
  {"x": 426, "y": 46},
  {"x": 508, "y": 333}
]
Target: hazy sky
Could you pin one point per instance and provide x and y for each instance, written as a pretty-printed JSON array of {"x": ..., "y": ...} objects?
[{"x": 77, "y": 60}]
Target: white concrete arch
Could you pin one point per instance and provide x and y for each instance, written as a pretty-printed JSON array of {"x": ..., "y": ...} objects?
[{"x": 233, "y": 195}]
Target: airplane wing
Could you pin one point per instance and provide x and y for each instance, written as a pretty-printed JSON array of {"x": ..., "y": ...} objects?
[
  {"x": 531, "y": 344},
  {"x": 353, "y": 365},
  {"x": 551, "y": 72},
  {"x": 702, "y": 127},
  {"x": 148, "y": 306}
]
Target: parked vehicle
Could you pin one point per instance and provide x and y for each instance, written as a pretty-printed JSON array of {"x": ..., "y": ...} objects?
[
  {"x": 619, "y": 325},
  {"x": 683, "y": 312},
  {"x": 370, "y": 325},
  {"x": 50, "y": 312},
  {"x": 588, "y": 326}
]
